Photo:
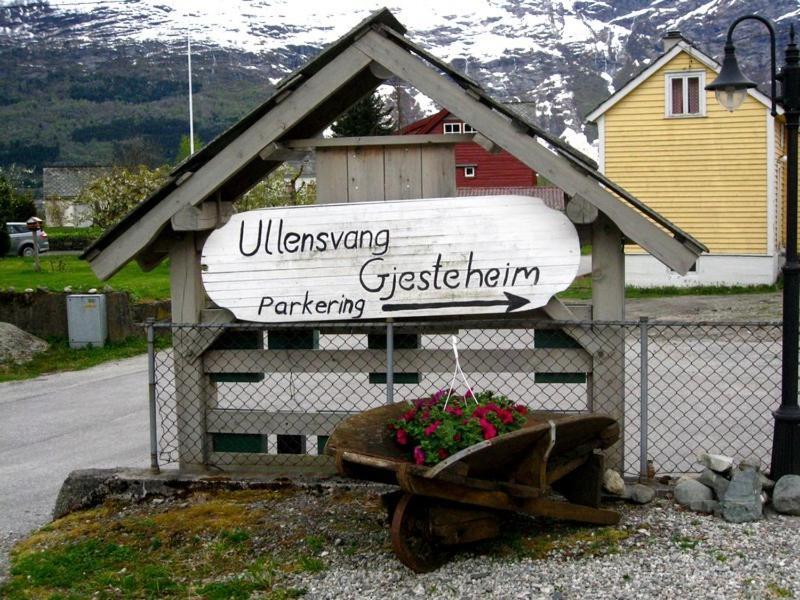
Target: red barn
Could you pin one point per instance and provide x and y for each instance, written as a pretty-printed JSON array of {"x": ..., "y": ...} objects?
[{"x": 475, "y": 167}]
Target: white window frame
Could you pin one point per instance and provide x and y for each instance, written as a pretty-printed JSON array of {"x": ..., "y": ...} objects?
[
  {"x": 469, "y": 172},
  {"x": 668, "y": 94},
  {"x": 454, "y": 126},
  {"x": 467, "y": 128}
]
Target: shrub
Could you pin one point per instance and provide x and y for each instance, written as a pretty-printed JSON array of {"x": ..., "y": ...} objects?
[{"x": 72, "y": 238}]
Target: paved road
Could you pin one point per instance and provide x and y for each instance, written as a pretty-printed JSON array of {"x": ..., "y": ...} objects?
[{"x": 56, "y": 423}]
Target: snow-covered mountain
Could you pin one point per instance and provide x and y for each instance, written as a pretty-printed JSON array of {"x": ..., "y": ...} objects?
[{"x": 565, "y": 55}]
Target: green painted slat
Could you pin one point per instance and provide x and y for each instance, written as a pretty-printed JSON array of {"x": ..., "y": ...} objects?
[
  {"x": 560, "y": 378},
  {"x": 238, "y": 442},
  {"x": 398, "y": 377},
  {"x": 553, "y": 338},
  {"x": 238, "y": 339}
]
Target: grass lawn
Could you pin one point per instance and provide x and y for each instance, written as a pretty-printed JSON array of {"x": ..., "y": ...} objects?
[
  {"x": 61, "y": 271},
  {"x": 60, "y": 357},
  {"x": 581, "y": 289}
]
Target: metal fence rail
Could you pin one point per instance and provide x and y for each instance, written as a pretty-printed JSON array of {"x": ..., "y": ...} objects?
[{"x": 277, "y": 391}]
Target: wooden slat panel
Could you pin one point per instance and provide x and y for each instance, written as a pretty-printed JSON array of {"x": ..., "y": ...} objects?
[
  {"x": 553, "y": 360},
  {"x": 233, "y": 460},
  {"x": 278, "y": 422},
  {"x": 331, "y": 175},
  {"x": 438, "y": 172},
  {"x": 403, "y": 175},
  {"x": 365, "y": 174},
  {"x": 381, "y": 140}
]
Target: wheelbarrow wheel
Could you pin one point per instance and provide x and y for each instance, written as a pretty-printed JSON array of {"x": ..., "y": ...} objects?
[{"x": 412, "y": 541}]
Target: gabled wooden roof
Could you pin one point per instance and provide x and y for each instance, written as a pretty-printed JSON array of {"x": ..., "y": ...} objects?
[{"x": 314, "y": 96}]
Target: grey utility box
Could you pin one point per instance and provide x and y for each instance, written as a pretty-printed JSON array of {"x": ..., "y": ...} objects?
[{"x": 86, "y": 320}]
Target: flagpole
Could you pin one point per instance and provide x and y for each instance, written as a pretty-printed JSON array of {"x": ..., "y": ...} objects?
[{"x": 191, "y": 109}]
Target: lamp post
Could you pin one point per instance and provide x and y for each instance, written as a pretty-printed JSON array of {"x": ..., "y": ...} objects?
[{"x": 730, "y": 88}]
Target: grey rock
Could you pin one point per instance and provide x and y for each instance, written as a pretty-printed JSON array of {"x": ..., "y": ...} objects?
[
  {"x": 639, "y": 493},
  {"x": 704, "y": 506},
  {"x": 751, "y": 461},
  {"x": 786, "y": 495},
  {"x": 742, "y": 500},
  {"x": 692, "y": 491},
  {"x": 715, "y": 481},
  {"x": 81, "y": 490},
  {"x": 715, "y": 462},
  {"x": 766, "y": 482},
  {"x": 613, "y": 482}
]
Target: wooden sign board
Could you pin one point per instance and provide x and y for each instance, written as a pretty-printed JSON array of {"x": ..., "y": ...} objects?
[{"x": 375, "y": 260}]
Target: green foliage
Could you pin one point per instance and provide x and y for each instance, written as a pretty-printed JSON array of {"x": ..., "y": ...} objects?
[
  {"x": 281, "y": 188},
  {"x": 14, "y": 205},
  {"x": 184, "y": 149},
  {"x": 130, "y": 90},
  {"x": 438, "y": 427},
  {"x": 72, "y": 238},
  {"x": 368, "y": 116},
  {"x": 110, "y": 197}
]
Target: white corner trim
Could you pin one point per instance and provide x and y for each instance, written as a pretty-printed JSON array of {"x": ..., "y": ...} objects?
[
  {"x": 772, "y": 195},
  {"x": 601, "y": 144},
  {"x": 681, "y": 46}
]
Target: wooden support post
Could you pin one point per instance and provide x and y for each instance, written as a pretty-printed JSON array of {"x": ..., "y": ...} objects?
[
  {"x": 608, "y": 300},
  {"x": 192, "y": 385}
]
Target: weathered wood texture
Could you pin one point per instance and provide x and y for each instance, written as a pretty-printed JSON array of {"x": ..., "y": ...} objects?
[
  {"x": 348, "y": 173},
  {"x": 550, "y": 360}
]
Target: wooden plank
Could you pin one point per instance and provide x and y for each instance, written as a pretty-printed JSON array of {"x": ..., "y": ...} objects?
[
  {"x": 278, "y": 422},
  {"x": 310, "y": 94},
  {"x": 551, "y": 360},
  {"x": 500, "y": 129},
  {"x": 438, "y": 172},
  {"x": 234, "y": 461},
  {"x": 608, "y": 304},
  {"x": 203, "y": 217},
  {"x": 365, "y": 174},
  {"x": 380, "y": 140},
  {"x": 403, "y": 172},
  {"x": 331, "y": 175},
  {"x": 404, "y": 258},
  {"x": 193, "y": 388}
]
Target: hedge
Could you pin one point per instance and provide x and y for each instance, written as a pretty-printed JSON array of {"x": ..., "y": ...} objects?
[{"x": 71, "y": 238}]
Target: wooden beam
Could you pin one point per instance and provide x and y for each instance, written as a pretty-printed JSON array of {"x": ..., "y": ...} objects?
[
  {"x": 208, "y": 215},
  {"x": 551, "y": 360},
  {"x": 487, "y": 144},
  {"x": 308, "y": 96},
  {"x": 276, "y": 151},
  {"x": 379, "y": 140},
  {"x": 281, "y": 422},
  {"x": 500, "y": 129},
  {"x": 580, "y": 211}
]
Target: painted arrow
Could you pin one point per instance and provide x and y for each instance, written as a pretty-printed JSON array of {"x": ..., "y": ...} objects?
[{"x": 512, "y": 301}]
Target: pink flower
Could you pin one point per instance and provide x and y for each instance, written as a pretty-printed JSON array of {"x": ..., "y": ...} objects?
[
  {"x": 409, "y": 415},
  {"x": 419, "y": 456},
  {"x": 431, "y": 429},
  {"x": 442, "y": 454},
  {"x": 469, "y": 394},
  {"x": 505, "y": 416},
  {"x": 457, "y": 437},
  {"x": 402, "y": 437},
  {"x": 523, "y": 410},
  {"x": 439, "y": 395},
  {"x": 489, "y": 430},
  {"x": 454, "y": 410}
]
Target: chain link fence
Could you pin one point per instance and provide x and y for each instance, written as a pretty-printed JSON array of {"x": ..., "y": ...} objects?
[{"x": 268, "y": 395}]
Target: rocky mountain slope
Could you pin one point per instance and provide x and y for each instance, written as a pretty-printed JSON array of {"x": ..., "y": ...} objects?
[{"x": 96, "y": 82}]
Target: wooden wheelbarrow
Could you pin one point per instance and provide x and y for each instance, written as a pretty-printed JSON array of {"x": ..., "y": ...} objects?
[{"x": 465, "y": 498}]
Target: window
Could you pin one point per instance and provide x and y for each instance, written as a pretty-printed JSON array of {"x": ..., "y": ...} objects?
[
  {"x": 452, "y": 127},
  {"x": 685, "y": 94},
  {"x": 469, "y": 171},
  {"x": 469, "y": 128}
]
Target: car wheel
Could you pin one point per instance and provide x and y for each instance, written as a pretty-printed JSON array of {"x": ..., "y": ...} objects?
[{"x": 26, "y": 250}]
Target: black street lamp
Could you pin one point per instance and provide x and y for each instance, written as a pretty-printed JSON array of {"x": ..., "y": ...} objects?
[{"x": 730, "y": 87}]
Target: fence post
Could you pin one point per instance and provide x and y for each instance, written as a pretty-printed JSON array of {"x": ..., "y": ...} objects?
[
  {"x": 151, "y": 391},
  {"x": 389, "y": 362},
  {"x": 643, "y": 408}
]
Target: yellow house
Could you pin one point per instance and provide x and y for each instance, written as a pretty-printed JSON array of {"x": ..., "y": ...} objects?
[{"x": 720, "y": 176}]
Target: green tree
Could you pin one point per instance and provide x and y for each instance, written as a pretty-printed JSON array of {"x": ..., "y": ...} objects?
[
  {"x": 14, "y": 205},
  {"x": 368, "y": 116},
  {"x": 183, "y": 147},
  {"x": 280, "y": 188},
  {"x": 110, "y": 197}
]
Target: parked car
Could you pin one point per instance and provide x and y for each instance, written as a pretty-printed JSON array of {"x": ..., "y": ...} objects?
[{"x": 22, "y": 241}]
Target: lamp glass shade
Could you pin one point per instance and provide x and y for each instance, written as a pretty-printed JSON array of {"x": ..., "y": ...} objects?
[{"x": 730, "y": 98}]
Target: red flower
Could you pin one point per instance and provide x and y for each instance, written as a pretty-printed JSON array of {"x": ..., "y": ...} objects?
[
  {"x": 457, "y": 437},
  {"x": 409, "y": 415},
  {"x": 523, "y": 410},
  {"x": 402, "y": 437},
  {"x": 442, "y": 454},
  {"x": 505, "y": 416},
  {"x": 489, "y": 430},
  {"x": 431, "y": 429},
  {"x": 454, "y": 410},
  {"x": 469, "y": 394},
  {"x": 419, "y": 456}
]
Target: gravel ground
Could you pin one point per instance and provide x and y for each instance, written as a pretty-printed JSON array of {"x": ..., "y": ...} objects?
[{"x": 668, "y": 553}]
